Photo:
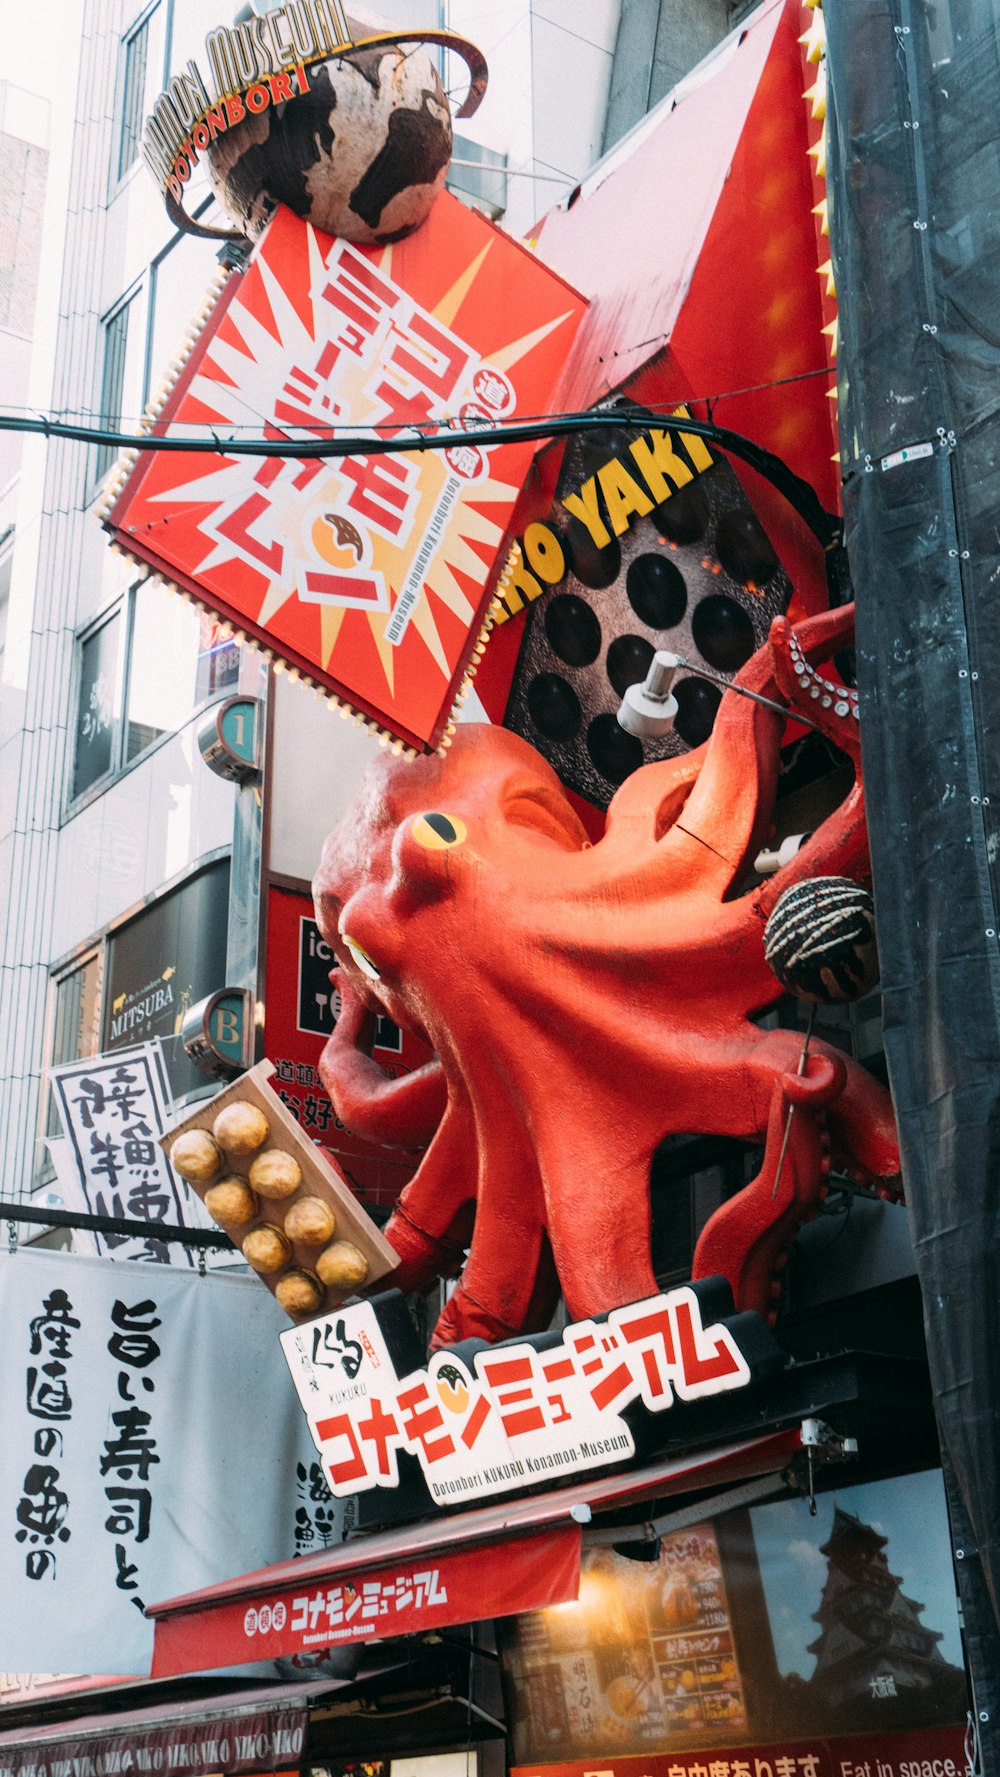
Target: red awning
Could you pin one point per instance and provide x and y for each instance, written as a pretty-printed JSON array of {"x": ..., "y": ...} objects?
[
  {"x": 496, "y": 1561},
  {"x": 258, "y": 1730}
]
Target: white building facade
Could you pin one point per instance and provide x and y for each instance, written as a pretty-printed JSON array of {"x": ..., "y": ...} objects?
[{"x": 122, "y": 901}]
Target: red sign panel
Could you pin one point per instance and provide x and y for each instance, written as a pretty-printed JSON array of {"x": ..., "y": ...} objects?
[
  {"x": 369, "y": 573},
  {"x": 302, "y": 1006},
  {"x": 919, "y": 1752},
  {"x": 430, "y": 1592}
]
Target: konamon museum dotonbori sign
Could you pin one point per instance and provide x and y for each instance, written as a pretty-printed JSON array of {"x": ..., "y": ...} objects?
[
  {"x": 482, "y": 1420},
  {"x": 307, "y": 107}
]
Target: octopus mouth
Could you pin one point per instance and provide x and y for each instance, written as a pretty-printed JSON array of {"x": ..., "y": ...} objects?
[
  {"x": 375, "y": 997},
  {"x": 365, "y": 963}
]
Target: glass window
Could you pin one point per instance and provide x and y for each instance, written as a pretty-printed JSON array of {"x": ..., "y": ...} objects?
[
  {"x": 141, "y": 73},
  {"x": 76, "y": 1023},
  {"x": 177, "y": 659},
  {"x": 218, "y": 661},
  {"x": 180, "y": 279},
  {"x": 753, "y": 1628},
  {"x": 97, "y": 708},
  {"x": 133, "y": 96},
  {"x": 121, "y": 375}
]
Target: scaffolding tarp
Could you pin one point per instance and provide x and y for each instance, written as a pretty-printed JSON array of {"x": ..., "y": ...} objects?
[{"x": 914, "y": 173}]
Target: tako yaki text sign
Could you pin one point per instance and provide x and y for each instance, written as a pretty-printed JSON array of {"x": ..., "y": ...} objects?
[
  {"x": 501, "y": 1418},
  {"x": 370, "y": 574}
]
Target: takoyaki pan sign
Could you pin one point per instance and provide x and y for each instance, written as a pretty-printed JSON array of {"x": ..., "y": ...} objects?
[{"x": 483, "y": 1420}]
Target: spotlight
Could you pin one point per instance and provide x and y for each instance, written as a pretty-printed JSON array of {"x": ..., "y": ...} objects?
[
  {"x": 648, "y": 710},
  {"x": 644, "y": 1551}
]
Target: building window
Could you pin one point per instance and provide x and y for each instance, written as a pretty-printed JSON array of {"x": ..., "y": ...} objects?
[
  {"x": 478, "y": 176},
  {"x": 97, "y": 706},
  {"x": 133, "y": 95},
  {"x": 135, "y": 985},
  {"x": 179, "y": 280},
  {"x": 122, "y": 369},
  {"x": 76, "y": 1033},
  {"x": 143, "y": 672}
]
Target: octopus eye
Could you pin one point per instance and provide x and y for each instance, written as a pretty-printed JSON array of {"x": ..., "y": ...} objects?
[
  {"x": 438, "y": 832},
  {"x": 362, "y": 959}
]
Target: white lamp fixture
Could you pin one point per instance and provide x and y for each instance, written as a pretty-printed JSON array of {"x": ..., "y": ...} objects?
[{"x": 648, "y": 710}]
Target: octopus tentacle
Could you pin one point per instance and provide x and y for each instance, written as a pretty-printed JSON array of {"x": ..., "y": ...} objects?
[
  {"x": 505, "y": 1286},
  {"x": 432, "y": 1220},
  {"x": 746, "y": 1238}
]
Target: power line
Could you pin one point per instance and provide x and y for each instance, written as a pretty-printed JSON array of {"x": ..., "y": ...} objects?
[
  {"x": 443, "y": 435},
  {"x": 667, "y": 405}
]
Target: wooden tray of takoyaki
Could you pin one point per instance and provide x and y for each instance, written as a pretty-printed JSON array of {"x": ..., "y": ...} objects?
[{"x": 280, "y": 1199}]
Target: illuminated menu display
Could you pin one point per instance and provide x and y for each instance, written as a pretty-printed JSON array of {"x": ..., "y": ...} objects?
[{"x": 646, "y": 1656}]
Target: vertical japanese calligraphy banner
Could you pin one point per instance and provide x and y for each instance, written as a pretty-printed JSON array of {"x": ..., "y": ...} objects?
[
  {"x": 151, "y": 1444},
  {"x": 113, "y": 1108}
]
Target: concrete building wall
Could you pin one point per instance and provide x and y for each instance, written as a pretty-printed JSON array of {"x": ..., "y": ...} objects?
[
  {"x": 658, "y": 42},
  {"x": 68, "y": 869},
  {"x": 24, "y": 157}
]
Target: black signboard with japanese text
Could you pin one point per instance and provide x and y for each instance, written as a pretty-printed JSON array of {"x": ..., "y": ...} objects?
[
  {"x": 161, "y": 963},
  {"x": 302, "y": 1008}
]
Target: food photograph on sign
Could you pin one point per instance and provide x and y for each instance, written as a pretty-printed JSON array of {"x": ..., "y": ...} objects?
[{"x": 736, "y": 1632}]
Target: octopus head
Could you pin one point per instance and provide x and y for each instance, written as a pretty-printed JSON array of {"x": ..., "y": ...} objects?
[{"x": 431, "y": 849}]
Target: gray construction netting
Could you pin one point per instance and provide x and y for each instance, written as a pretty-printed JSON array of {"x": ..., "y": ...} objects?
[{"x": 914, "y": 176}]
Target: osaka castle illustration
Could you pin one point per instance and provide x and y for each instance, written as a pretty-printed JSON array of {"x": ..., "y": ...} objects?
[{"x": 875, "y": 1659}]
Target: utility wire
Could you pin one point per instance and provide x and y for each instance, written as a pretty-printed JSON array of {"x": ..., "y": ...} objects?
[
  {"x": 825, "y": 526},
  {"x": 668, "y": 405}
]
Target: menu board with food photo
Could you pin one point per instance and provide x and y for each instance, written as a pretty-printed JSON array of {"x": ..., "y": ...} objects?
[
  {"x": 646, "y": 1657},
  {"x": 692, "y": 1636}
]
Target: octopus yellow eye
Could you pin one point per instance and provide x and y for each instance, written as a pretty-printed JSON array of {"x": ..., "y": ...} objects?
[
  {"x": 438, "y": 832},
  {"x": 362, "y": 959}
]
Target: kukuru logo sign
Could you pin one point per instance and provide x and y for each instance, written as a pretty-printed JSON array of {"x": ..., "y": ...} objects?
[{"x": 486, "y": 1419}]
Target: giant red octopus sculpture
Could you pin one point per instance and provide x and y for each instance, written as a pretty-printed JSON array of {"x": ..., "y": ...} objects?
[{"x": 584, "y": 1001}]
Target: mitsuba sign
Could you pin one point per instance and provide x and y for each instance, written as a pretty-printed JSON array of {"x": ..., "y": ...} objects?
[{"x": 488, "y": 1419}]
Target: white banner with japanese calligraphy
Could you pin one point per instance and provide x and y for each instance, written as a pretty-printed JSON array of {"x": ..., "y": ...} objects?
[
  {"x": 113, "y": 1108},
  {"x": 152, "y": 1445}
]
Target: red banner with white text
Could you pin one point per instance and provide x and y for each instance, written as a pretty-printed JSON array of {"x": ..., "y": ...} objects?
[{"x": 433, "y": 1591}]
